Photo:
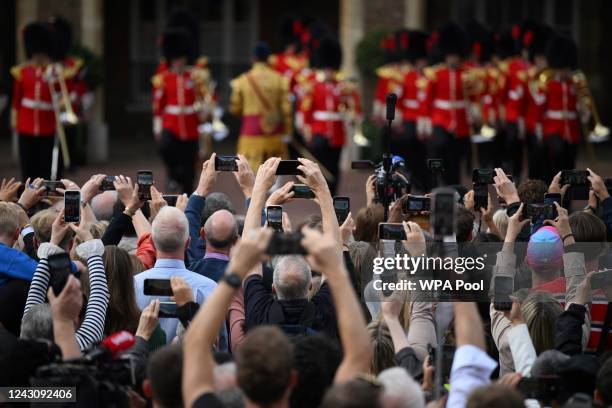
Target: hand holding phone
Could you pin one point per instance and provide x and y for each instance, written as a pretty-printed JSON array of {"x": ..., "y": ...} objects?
[
  {"x": 342, "y": 207},
  {"x": 302, "y": 191},
  {"x": 226, "y": 163},
  {"x": 108, "y": 184},
  {"x": 157, "y": 287},
  {"x": 59, "y": 271},
  {"x": 416, "y": 204},
  {"x": 289, "y": 243},
  {"x": 391, "y": 231},
  {"x": 504, "y": 286},
  {"x": 144, "y": 179}
]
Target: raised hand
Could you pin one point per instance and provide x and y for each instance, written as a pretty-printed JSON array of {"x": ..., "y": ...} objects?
[
  {"x": 282, "y": 195},
  {"x": 505, "y": 187},
  {"x": 244, "y": 176},
  {"x": 149, "y": 318},
  {"x": 312, "y": 177},
  {"x": 8, "y": 189},
  {"x": 415, "y": 239},
  {"x": 32, "y": 193},
  {"x": 207, "y": 177}
]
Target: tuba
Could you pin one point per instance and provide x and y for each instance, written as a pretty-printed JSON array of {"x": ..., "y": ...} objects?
[{"x": 599, "y": 133}]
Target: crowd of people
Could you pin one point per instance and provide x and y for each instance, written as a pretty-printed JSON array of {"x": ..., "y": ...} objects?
[{"x": 242, "y": 325}]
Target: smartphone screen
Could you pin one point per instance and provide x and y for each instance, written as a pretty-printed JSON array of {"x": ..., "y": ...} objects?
[
  {"x": 72, "y": 206},
  {"x": 302, "y": 191},
  {"x": 51, "y": 187},
  {"x": 504, "y": 285},
  {"x": 144, "y": 178},
  {"x": 481, "y": 197},
  {"x": 157, "y": 287},
  {"x": 170, "y": 199},
  {"x": 226, "y": 163},
  {"x": 167, "y": 310},
  {"x": 342, "y": 207},
  {"x": 289, "y": 243},
  {"x": 59, "y": 271},
  {"x": 443, "y": 214},
  {"x": 483, "y": 176},
  {"x": 274, "y": 217},
  {"x": 416, "y": 204},
  {"x": 288, "y": 168},
  {"x": 391, "y": 231},
  {"x": 107, "y": 183}
]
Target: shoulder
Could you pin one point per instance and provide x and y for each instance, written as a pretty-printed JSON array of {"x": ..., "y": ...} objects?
[
  {"x": 72, "y": 66},
  {"x": 158, "y": 80},
  {"x": 202, "y": 62},
  {"x": 17, "y": 70},
  {"x": 432, "y": 71}
]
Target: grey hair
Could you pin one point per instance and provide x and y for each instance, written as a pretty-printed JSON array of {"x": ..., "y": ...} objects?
[
  {"x": 400, "y": 389},
  {"x": 214, "y": 202},
  {"x": 170, "y": 230},
  {"x": 292, "y": 278},
  {"x": 226, "y": 386},
  {"x": 37, "y": 323}
]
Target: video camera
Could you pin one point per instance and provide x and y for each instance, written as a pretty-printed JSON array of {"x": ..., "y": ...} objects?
[
  {"x": 102, "y": 377},
  {"x": 390, "y": 186}
]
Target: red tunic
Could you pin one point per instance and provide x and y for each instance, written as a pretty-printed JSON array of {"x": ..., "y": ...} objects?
[
  {"x": 174, "y": 98},
  {"x": 390, "y": 80},
  {"x": 413, "y": 95},
  {"x": 32, "y": 101},
  {"x": 491, "y": 98},
  {"x": 560, "y": 112},
  {"x": 515, "y": 86},
  {"x": 534, "y": 103},
  {"x": 445, "y": 102}
]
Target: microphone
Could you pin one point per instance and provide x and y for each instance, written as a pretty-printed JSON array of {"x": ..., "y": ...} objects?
[
  {"x": 391, "y": 101},
  {"x": 112, "y": 346}
]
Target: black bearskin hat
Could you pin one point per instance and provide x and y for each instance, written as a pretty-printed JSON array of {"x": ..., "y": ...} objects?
[
  {"x": 453, "y": 40},
  {"x": 61, "y": 32},
  {"x": 329, "y": 53},
  {"x": 176, "y": 44},
  {"x": 537, "y": 40},
  {"x": 418, "y": 45},
  {"x": 37, "y": 39},
  {"x": 181, "y": 17},
  {"x": 562, "y": 53},
  {"x": 480, "y": 41},
  {"x": 403, "y": 44},
  {"x": 504, "y": 45}
]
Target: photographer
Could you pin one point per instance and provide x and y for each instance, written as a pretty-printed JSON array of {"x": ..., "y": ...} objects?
[{"x": 91, "y": 328}]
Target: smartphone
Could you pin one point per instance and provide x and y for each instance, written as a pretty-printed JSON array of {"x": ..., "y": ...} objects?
[
  {"x": 391, "y": 231},
  {"x": 443, "y": 217},
  {"x": 167, "y": 310},
  {"x": 481, "y": 196},
  {"x": 72, "y": 206},
  {"x": 59, "y": 271},
  {"x": 107, "y": 184},
  {"x": 302, "y": 191},
  {"x": 144, "y": 178},
  {"x": 483, "y": 176},
  {"x": 550, "y": 198},
  {"x": 362, "y": 165},
  {"x": 601, "y": 279},
  {"x": 545, "y": 388},
  {"x": 286, "y": 244},
  {"x": 51, "y": 186},
  {"x": 226, "y": 163},
  {"x": 274, "y": 217},
  {"x": 504, "y": 286},
  {"x": 342, "y": 207},
  {"x": 416, "y": 204},
  {"x": 435, "y": 165},
  {"x": 540, "y": 212},
  {"x": 575, "y": 177},
  {"x": 288, "y": 168},
  {"x": 157, "y": 287},
  {"x": 170, "y": 199}
]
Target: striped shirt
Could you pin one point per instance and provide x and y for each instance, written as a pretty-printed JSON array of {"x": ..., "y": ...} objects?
[{"x": 92, "y": 326}]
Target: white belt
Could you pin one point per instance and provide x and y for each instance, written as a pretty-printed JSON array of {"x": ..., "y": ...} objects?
[
  {"x": 40, "y": 105},
  {"x": 411, "y": 103},
  {"x": 179, "y": 110},
  {"x": 448, "y": 105},
  {"x": 326, "y": 115},
  {"x": 560, "y": 115}
]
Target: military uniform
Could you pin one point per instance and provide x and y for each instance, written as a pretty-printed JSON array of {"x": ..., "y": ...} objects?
[
  {"x": 176, "y": 112},
  {"x": 260, "y": 98},
  {"x": 32, "y": 114}
]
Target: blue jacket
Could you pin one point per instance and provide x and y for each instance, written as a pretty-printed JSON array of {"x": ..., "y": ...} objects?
[
  {"x": 212, "y": 268},
  {"x": 14, "y": 264}
]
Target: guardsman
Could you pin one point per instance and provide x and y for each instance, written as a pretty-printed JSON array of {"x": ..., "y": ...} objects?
[
  {"x": 514, "y": 69},
  {"x": 323, "y": 108},
  {"x": 535, "y": 41},
  {"x": 291, "y": 60},
  {"x": 446, "y": 103},
  {"x": 175, "y": 110},
  {"x": 413, "y": 96},
  {"x": 560, "y": 118},
  {"x": 72, "y": 75},
  {"x": 260, "y": 98},
  {"x": 32, "y": 114}
]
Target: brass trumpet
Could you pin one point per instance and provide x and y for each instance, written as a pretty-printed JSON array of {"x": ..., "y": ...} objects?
[
  {"x": 55, "y": 74},
  {"x": 599, "y": 133}
]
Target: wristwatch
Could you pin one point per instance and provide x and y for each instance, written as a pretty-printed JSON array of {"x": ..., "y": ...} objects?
[{"x": 232, "y": 279}]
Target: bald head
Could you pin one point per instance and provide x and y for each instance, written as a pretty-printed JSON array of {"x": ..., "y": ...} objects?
[
  {"x": 220, "y": 230},
  {"x": 103, "y": 204},
  {"x": 170, "y": 230}
]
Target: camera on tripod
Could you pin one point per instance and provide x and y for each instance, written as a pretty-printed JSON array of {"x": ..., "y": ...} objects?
[{"x": 389, "y": 186}]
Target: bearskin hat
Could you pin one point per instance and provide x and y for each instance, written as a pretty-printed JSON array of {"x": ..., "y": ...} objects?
[
  {"x": 453, "y": 40},
  {"x": 37, "y": 39},
  {"x": 176, "y": 44},
  {"x": 61, "y": 34},
  {"x": 329, "y": 53},
  {"x": 418, "y": 45},
  {"x": 562, "y": 53},
  {"x": 181, "y": 17}
]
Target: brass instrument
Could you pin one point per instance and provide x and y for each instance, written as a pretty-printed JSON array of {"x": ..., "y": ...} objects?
[
  {"x": 64, "y": 115},
  {"x": 599, "y": 133},
  {"x": 353, "y": 121},
  {"x": 208, "y": 111}
]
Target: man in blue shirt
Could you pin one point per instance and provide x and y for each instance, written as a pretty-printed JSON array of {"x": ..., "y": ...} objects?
[
  {"x": 220, "y": 233},
  {"x": 171, "y": 237},
  {"x": 14, "y": 264}
]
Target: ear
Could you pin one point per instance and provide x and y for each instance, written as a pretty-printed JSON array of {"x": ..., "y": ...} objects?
[
  {"x": 147, "y": 389},
  {"x": 187, "y": 242},
  {"x": 16, "y": 235},
  {"x": 203, "y": 234}
]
